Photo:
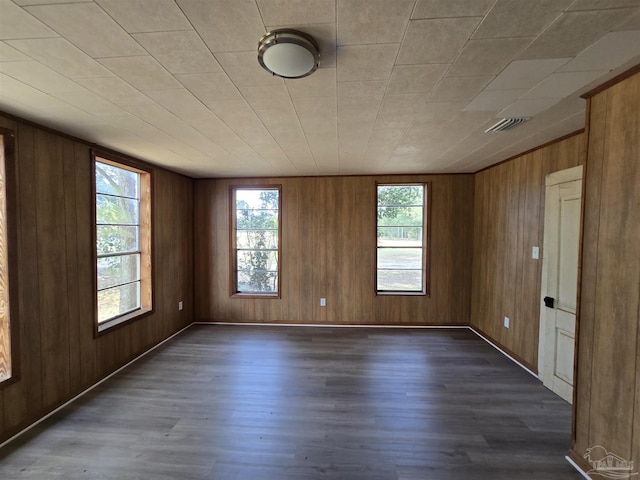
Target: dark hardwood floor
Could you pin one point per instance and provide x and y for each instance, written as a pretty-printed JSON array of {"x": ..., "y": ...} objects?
[{"x": 280, "y": 403}]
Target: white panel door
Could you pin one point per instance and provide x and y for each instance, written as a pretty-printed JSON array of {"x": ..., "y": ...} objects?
[{"x": 560, "y": 280}]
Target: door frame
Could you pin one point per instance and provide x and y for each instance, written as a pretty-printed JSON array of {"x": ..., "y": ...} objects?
[{"x": 554, "y": 178}]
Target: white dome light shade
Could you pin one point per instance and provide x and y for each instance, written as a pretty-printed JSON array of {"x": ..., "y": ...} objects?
[{"x": 288, "y": 53}]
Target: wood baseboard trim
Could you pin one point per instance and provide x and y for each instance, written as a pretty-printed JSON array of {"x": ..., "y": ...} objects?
[
  {"x": 327, "y": 325},
  {"x": 578, "y": 463},
  {"x": 506, "y": 352}
]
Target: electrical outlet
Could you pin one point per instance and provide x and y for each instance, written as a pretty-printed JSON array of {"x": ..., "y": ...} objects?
[
  {"x": 180, "y": 305},
  {"x": 535, "y": 252},
  {"x": 323, "y": 302},
  {"x": 506, "y": 322}
]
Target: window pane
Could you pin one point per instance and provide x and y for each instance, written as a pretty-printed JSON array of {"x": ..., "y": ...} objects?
[
  {"x": 400, "y": 195},
  {"x": 257, "y": 198},
  {"x": 400, "y": 280},
  {"x": 258, "y": 260},
  {"x": 251, "y": 219},
  {"x": 256, "y": 239},
  {"x": 257, "y": 281},
  {"x": 400, "y": 236},
  {"x": 112, "y": 239},
  {"x": 117, "y": 210},
  {"x": 402, "y": 216},
  {"x": 116, "y": 181},
  {"x": 5, "y": 310},
  {"x": 118, "y": 301},
  {"x": 118, "y": 270},
  {"x": 400, "y": 258}
]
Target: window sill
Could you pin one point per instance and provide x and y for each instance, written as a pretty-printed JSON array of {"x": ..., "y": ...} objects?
[
  {"x": 402, "y": 294},
  {"x": 256, "y": 295},
  {"x": 8, "y": 381},
  {"x": 123, "y": 320}
]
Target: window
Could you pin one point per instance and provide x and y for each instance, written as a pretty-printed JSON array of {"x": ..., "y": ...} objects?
[
  {"x": 8, "y": 317},
  {"x": 255, "y": 227},
  {"x": 401, "y": 239},
  {"x": 123, "y": 242}
]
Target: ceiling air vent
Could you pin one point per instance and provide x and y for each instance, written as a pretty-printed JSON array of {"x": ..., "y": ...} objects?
[{"x": 505, "y": 124}]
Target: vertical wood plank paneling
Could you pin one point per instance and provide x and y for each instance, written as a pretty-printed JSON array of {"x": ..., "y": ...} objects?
[
  {"x": 635, "y": 447},
  {"x": 305, "y": 238},
  {"x": 618, "y": 270},
  {"x": 591, "y": 227},
  {"x": 204, "y": 239},
  {"x": 59, "y": 355},
  {"x": 84, "y": 254},
  {"x": 52, "y": 263},
  {"x": 530, "y": 268},
  {"x": 508, "y": 221},
  {"x": 461, "y": 252},
  {"x": 24, "y": 397},
  {"x": 329, "y": 224},
  {"x": 72, "y": 287}
]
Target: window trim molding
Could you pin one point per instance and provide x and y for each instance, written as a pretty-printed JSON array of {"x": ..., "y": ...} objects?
[
  {"x": 127, "y": 318},
  {"x": 12, "y": 247},
  {"x": 233, "y": 293},
  {"x": 426, "y": 243}
]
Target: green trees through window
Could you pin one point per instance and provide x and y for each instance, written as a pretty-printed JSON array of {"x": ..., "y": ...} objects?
[
  {"x": 256, "y": 247},
  {"x": 401, "y": 238}
]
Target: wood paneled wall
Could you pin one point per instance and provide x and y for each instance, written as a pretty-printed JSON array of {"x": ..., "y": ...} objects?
[
  {"x": 608, "y": 377},
  {"x": 59, "y": 356},
  {"x": 509, "y": 220},
  {"x": 328, "y": 250}
]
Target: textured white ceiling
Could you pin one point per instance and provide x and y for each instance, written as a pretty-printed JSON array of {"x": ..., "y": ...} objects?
[{"x": 404, "y": 86}]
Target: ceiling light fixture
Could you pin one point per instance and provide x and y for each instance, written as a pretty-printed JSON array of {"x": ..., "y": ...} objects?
[{"x": 288, "y": 53}]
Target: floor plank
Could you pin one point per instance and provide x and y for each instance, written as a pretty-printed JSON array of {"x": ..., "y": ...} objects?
[{"x": 226, "y": 402}]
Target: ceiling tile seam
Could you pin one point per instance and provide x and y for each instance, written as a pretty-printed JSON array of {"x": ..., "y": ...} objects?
[
  {"x": 169, "y": 30},
  {"x": 548, "y": 26},
  {"x": 462, "y": 140},
  {"x": 613, "y": 7},
  {"x": 45, "y": 109},
  {"x": 36, "y": 19},
  {"x": 133, "y": 86},
  {"x": 304, "y": 134},
  {"x": 237, "y": 89},
  {"x": 437, "y": 85},
  {"x": 116, "y": 105},
  {"x": 225, "y": 124},
  {"x": 196, "y": 129},
  {"x": 260, "y": 120},
  {"x": 24, "y": 8},
  {"x": 43, "y": 66},
  {"x": 264, "y": 25},
  {"x": 291, "y": 161},
  {"x": 458, "y": 16},
  {"x": 198, "y": 34},
  {"x": 131, "y": 33},
  {"x": 335, "y": 46},
  {"x": 386, "y": 87}
]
